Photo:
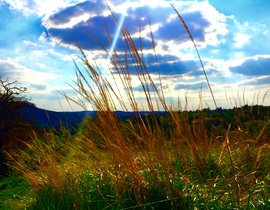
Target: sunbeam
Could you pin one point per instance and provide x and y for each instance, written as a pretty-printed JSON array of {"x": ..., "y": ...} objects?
[{"x": 117, "y": 33}]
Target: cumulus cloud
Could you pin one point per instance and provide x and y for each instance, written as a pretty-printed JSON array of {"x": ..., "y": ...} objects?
[
  {"x": 94, "y": 26},
  {"x": 261, "y": 80},
  {"x": 169, "y": 34},
  {"x": 39, "y": 86},
  {"x": 241, "y": 39},
  {"x": 173, "y": 30},
  {"x": 253, "y": 66},
  {"x": 36, "y": 7},
  {"x": 14, "y": 71},
  {"x": 191, "y": 85},
  {"x": 67, "y": 17},
  {"x": 168, "y": 25}
]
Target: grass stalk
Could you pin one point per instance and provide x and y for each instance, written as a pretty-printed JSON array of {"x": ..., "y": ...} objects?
[{"x": 197, "y": 51}]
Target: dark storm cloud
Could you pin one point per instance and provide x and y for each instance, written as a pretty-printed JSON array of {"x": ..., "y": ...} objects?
[
  {"x": 138, "y": 17},
  {"x": 150, "y": 59},
  {"x": 190, "y": 86},
  {"x": 145, "y": 43},
  {"x": 174, "y": 30},
  {"x": 94, "y": 27},
  {"x": 66, "y": 14},
  {"x": 263, "y": 81},
  {"x": 166, "y": 65},
  {"x": 179, "y": 67},
  {"x": 253, "y": 67},
  {"x": 257, "y": 81},
  {"x": 143, "y": 16},
  {"x": 179, "y": 86},
  {"x": 10, "y": 69},
  {"x": 39, "y": 86},
  {"x": 140, "y": 88},
  {"x": 134, "y": 19},
  {"x": 149, "y": 88}
]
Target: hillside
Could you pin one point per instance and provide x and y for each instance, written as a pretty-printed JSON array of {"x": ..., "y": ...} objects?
[{"x": 42, "y": 118}]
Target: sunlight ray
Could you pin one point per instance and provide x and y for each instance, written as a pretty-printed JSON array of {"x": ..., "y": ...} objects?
[{"x": 117, "y": 33}]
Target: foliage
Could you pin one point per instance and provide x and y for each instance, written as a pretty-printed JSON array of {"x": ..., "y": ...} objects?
[
  {"x": 13, "y": 129},
  {"x": 15, "y": 193},
  {"x": 11, "y": 103}
]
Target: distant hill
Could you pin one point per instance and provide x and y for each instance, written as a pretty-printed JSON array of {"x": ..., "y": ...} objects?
[
  {"x": 42, "y": 118},
  {"x": 50, "y": 119}
]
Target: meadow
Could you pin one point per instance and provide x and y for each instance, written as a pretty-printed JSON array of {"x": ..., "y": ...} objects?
[{"x": 175, "y": 160}]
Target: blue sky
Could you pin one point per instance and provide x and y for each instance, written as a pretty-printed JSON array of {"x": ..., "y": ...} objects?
[{"x": 37, "y": 45}]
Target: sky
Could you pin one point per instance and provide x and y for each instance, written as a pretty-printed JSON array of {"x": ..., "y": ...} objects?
[{"x": 38, "y": 48}]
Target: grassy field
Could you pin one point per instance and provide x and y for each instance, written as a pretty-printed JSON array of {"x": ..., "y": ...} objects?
[{"x": 148, "y": 162}]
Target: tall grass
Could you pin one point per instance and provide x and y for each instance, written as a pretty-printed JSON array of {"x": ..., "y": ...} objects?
[{"x": 151, "y": 161}]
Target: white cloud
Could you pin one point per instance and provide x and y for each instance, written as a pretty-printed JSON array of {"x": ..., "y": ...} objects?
[
  {"x": 71, "y": 23},
  {"x": 41, "y": 86},
  {"x": 239, "y": 61},
  {"x": 14, "y": 71},
  {"x": 38, "y": 7},
  {"x": 241, "y": 39},
  {"x": 29, "y": 43},
  {"x": 42, "y": 37},
  {"x": 217, "y": 30}
]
